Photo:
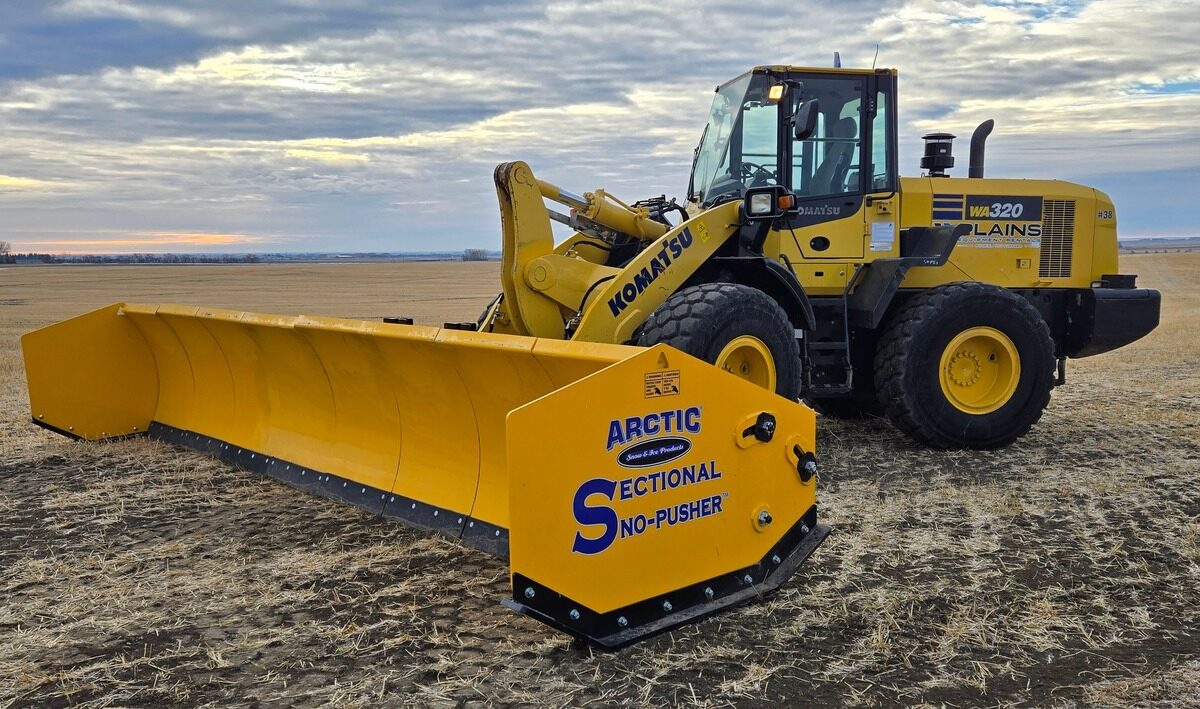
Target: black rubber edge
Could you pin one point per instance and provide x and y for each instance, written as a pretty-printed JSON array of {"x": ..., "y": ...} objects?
[
  {"x": 55, "y": 429},
  {"x": 661, "y": 613},
  {"x": 482, "y": 535}
]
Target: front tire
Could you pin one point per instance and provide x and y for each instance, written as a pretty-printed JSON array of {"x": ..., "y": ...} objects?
[
  {"x": 736, "y": 327},
  {"x": 965, "y": 365}
]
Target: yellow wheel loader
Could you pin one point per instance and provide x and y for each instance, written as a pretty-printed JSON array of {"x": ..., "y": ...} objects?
[{"x": 622, "y": 422}]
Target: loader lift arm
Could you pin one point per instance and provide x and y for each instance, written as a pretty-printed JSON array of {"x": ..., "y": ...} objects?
[{"x": 571, "y": 291}]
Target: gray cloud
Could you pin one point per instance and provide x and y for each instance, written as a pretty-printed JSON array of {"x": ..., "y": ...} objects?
[{"x": 376, "y": 125}]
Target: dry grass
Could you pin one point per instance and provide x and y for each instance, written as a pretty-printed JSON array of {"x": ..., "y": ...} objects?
[{"x": 1064, "y": 570}]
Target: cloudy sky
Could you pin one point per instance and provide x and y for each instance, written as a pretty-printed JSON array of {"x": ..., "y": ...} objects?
[{"x": 358, "y": 125}]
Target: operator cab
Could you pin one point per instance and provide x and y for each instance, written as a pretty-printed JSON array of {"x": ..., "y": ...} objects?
[
  {"x": 751, "y": 138},
  {"x": 812, "y": 151}
]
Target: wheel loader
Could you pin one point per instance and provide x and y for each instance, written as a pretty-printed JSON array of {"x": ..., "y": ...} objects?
[{"x": 623, "y": 421}]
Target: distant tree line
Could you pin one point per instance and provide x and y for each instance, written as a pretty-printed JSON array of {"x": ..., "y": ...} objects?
[
  {"x": 475, "y": 255},
  {"x": 6, "y": 255},
  {"x": 126, "y": 258}
]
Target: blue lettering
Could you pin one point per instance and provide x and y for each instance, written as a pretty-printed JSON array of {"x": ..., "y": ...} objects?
[
  {"x": 616, "y": 305},
  {"x": 616, "y": 434},
  {"x": 691, "y": 420},
  {"x": 591, "y": 516},
  {"x": 651, "y": 424},
  {"x": 642, "y": 279},
  {"x": 648, "y": 274},
  {"x": 633, "y": 428}
]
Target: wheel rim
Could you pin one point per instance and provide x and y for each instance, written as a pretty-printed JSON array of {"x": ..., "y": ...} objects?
[
  {"x": 747, "y": 357},
  {"x": 979, "y": 370}
]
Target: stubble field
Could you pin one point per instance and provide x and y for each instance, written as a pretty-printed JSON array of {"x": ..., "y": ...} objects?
[{"x": 1062, "y": 571}]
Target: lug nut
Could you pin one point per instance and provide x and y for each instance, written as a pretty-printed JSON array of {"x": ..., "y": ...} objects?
[
  {"x": 574, "y": 614},
  {"x": 776, "y": 560},
  {"x": 622, "y": 621},
  {"x": 667, "y": 606},
  {"x": 804, "y": 528},
  {"x": 708, "y": 593},
  {"x": 529, "y": 592},
  {"x": 748, "y": 579}
]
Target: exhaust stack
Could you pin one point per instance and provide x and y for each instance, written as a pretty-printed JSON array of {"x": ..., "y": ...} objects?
[{"x": 978, "y": 139}]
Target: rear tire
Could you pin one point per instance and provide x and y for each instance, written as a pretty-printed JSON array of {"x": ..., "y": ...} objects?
[
  {"x": 716, "y": 321},
  {"x": 965, "y": 365}
]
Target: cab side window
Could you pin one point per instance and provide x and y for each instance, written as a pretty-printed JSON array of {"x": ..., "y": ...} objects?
[
  {"x": 829, "y": 161},
  {"x": 881, "y": 167}
]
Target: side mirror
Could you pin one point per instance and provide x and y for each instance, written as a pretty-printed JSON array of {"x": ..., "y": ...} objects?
[{"x": 805, "y": 120}]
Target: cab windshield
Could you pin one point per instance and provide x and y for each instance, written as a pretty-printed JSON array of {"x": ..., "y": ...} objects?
[{"x": 738, "y": 148}]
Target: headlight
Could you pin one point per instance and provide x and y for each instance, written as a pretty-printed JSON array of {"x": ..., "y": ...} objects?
[{"x": 763, "y": 203}]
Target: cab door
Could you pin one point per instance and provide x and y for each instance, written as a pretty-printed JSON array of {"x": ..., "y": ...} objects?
[{"x": 842, "y": 176}]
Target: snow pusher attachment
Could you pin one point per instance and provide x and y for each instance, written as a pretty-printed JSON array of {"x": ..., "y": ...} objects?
[{"x": 635, "y": 489}]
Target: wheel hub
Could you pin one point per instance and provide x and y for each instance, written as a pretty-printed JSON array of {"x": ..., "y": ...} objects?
[
  {"x": 979, "y": 370},
  {"x": 965, "y": 368},
  {"x": 748, "y": 357}
]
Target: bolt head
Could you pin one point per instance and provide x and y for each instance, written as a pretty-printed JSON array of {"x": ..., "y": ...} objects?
[
  {"x": 574, "y": 614},
  {"x": 747, "y": 579},
  {"x": 708, "y": 593},
  {"x": 776, "y": 560},
  {"x": 811, "y": 466},
  {"x": 804, "y": 528},
  {"x": 667, "y": 606},
  {"x": 622, "y": 621},
  {"x": 764, "y": 427},
  {"x": 529, "y": 592},
  {"x": 764, "y": 517}
]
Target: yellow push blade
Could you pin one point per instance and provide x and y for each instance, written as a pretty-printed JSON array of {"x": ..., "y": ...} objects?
[
  {"x": 406, "y": 421},
  {"x": 638, "y": 489},
  {"x": 654, "y": 492},
  {"x": 91, "y": 377}
]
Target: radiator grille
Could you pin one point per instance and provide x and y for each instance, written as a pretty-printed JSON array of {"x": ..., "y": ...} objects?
[{"x": 1058, "y": 235}]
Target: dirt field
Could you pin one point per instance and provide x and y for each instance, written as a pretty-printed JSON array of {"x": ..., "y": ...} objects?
[{"x": 1064, "y": 570}]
